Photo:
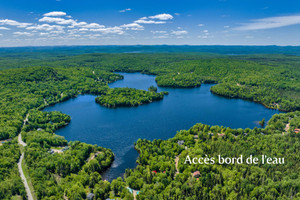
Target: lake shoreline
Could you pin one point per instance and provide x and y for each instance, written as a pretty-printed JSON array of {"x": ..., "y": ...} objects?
[{"x": 122, "y": 157}]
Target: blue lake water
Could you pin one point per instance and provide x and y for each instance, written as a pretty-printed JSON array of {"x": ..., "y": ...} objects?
[{"x": 119, "y": 128}]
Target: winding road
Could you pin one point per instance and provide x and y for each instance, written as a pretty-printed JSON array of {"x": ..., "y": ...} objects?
[{"x": 20, "y": 141}]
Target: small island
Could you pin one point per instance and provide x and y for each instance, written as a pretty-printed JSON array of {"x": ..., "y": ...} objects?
[{"x": 127, "y": 97}]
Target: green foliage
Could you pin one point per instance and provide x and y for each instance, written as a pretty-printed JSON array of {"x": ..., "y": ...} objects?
[
  {"x": 152, "y": 88},
  {"x": 262, "y": 122},
  {"x": 48, "y": 121},
  {"x": 118, "y": 97},
  {"x": 10, "y": 181},
  {"x": 179, "y": 80},
  {"x": 219, "y": 181},
  {"x": 272, "y": 80}
]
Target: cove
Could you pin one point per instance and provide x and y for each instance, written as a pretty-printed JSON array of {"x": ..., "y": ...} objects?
[{"x": 119, "y": 128}]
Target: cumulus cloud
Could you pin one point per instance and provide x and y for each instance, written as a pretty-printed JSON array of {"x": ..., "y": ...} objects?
[
  {"x": 116, "y": 30},
  {"x": 45, "y": 27},
  {"x": 163, "y": 16},
  {"x": 133, "y": 26},
  {"x": 179, "y": 32},
  {"x": 270, "y": 22},
  {"x": 200, "y": 25},
  {"x": 143, "y": 21},
  {"x": 57, "y": 32},
  {"x": 22, "y": 33},
  {"x": 57, "y": 20},
  {"x": 91, "y": 25},
  {"x": 125, "y": 10},
  {"x": 14, "y": 23},
  {"x": 55, "y": 14},
  {"x": 71, "y": 22},
  {"x": 4, "y": 28}
]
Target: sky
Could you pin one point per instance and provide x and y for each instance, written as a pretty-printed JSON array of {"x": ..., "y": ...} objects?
[{"x": 133, "y": 22}]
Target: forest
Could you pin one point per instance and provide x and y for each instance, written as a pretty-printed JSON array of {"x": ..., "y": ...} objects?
[
  {"x": 61, "y": 169},
  {"x": 123, "y": 97},
  {"x": 272, "y": 80},
  {"x": 157, "y": 176}
]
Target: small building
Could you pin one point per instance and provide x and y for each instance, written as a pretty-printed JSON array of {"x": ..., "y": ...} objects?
[
  {"x": 262, "y": 133},
  {"x": 155, "y": 172},
  {"x": 221, "y": 134},
  {"x": 196, "y": 174},
  {"x": 51, "y": 151},
  {"x": 245, "y": 134},
  {"x": 180, "y": 142},
  {"x": 65, "y": 149},
  {"x": 210, "y": 134},
  {"x": 90, "y": 196},
  {"x": 196, "y": 136},
  {"x": 297, "y": 130},
  {"x": 39, "y": 129}
]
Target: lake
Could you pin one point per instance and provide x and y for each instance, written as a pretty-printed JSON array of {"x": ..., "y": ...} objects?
[{"x": 119, "y": 128}]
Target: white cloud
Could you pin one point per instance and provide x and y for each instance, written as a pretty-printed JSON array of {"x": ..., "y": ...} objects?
[
  {"x": 270, "y": 22},
  {"x": 57, "y": 20},
  {"x": 158, "y": 32},
  {"x": 44, "y": 34},
  {"x": 22, "y": 33},
  {"x": 114, "y": 30},
  {"x": 92, "y": 25},
  {"x": 226, "y": 26},
  {"x": 179, "y": 32},
  {"x": 200, "y": 25},
  {"x": 57, "y": 32},
  {"x": 4, "y": 28},
  {"x": 83, "y": 29},
  {"x": 205, "y": 31},
  {"x": 1, "y": 34},
  {"x": 177, "y": 14},
  {"x": 55, "y": 14},
  {"x": 14, "y": 23},
  {"x": 133, "y": 26},
  {"x": 143, "y": 21},
  {"x": 45, "y": 27},
  {"x": 71, "y": 22},
  {"x": 163, "y": 16},
  {"x": 125, "y": 10},
  {"x": 161, "y": 36}
]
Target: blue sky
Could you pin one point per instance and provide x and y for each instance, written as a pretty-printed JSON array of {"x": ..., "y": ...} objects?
[{"x": 131, "y": 22}]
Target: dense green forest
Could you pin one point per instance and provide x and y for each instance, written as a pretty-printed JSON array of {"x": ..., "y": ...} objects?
[
  {"x": 272, "y": 80},
  {"x": 60, "y": 169},
  {"x": 10, "y": 181},
  {"x": 120, "y": 97},
  {"x": 27, "y": 89},
  {"x": 157, "y": 176}
]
